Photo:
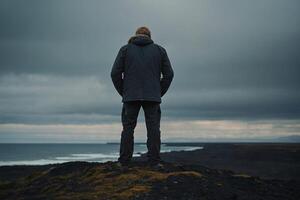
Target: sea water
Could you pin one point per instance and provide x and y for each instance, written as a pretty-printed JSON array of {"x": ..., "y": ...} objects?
[{"x": 40, "y": 154}]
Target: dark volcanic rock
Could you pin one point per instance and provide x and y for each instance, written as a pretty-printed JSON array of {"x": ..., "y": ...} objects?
[
  {"x": 266, "y": 160},
  {"x": 82, "y": 180}
]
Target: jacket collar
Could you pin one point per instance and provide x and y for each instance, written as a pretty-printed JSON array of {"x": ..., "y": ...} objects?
[{"x": 140, "y": 40}]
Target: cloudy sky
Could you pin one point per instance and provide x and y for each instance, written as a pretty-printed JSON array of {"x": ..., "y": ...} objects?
[{"x": 236, "y": 66}]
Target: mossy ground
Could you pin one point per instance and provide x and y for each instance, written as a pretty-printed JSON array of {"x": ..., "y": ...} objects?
[{"x": 103, "y": 181}]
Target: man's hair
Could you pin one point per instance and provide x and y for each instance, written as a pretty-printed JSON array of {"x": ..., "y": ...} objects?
[{"x": 143, "y": 30}]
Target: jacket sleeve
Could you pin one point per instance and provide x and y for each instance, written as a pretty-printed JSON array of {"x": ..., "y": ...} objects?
[
  {"x": 167, "y": 72},
  {"x": 117, "y": 71}
]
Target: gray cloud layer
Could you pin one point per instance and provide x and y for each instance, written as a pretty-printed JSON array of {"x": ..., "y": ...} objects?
[{"x": 232, "y": 59}]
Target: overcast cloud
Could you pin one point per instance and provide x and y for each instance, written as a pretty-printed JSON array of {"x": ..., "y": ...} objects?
[{"x": 233, "y": 60}]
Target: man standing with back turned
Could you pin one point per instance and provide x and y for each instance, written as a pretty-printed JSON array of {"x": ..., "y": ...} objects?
[{"x": 136, "y": 75}]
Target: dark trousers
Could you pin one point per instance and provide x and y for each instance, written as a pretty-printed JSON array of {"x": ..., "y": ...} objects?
[{"x": 130, "y": 112}]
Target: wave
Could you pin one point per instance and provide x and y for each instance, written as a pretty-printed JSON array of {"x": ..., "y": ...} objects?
[
  {"x": 87, "y": 156},
  {"x": 91, "y": 157},
  {"x": 185, "y": 149},
  {"x": 193, "y": 148}
]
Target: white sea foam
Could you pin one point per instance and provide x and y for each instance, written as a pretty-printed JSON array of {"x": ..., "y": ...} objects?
[
  {"x": 187, "y": 148},
  {"x": 87, "y": 156},
  {"x": 193, "y": 148},
  {"x": 51, "y": 161}
]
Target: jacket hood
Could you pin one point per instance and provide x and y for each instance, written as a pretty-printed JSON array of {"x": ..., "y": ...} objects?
[{"x": 140, "y": 40}]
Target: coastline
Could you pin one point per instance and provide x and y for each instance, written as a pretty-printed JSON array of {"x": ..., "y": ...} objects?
[
  {"x": 71, "y": 152},
  {"x": 218, "y": 171}
]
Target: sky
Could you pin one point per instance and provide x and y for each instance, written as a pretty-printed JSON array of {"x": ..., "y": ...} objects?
[{"x": 236, "y": 68}]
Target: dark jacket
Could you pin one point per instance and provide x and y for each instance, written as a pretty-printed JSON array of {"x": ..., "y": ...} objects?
[{"x": 136, "y": 72}]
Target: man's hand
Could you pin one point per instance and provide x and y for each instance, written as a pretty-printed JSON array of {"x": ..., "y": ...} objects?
[
  {"x": 117, "y": 71},
  {"x": 167, "y": 73}
]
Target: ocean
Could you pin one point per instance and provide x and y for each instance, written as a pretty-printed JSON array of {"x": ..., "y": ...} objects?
[{"x": 41, "y": 154}]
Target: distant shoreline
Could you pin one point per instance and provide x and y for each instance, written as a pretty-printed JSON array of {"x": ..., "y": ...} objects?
[{"x": 61, "y": 153}]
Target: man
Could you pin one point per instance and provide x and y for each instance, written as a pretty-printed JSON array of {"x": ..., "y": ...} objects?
[{"x": 136, "y": 75}]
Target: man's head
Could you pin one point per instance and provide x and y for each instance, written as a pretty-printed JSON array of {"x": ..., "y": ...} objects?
[{"x": 143, "y": 30}]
